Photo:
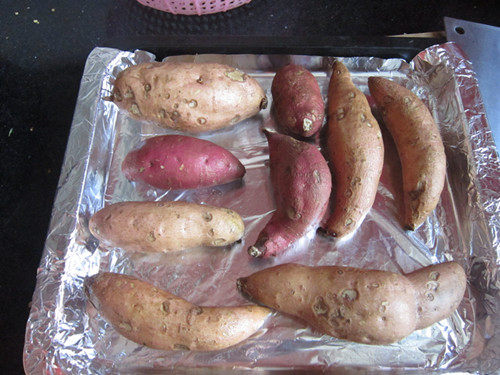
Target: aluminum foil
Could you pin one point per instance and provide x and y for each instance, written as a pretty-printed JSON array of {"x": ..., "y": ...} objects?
[{"x": 65, "y": 334}]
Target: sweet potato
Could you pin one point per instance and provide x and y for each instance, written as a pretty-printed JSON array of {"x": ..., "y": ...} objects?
[
  {"x": 302, "y": 184},
  {"x": 367, "y": 306},
  {"x": 440, "y": 289},
  {"x": 192, "y": 97},
  {"x": 181, "y": 162},
  {"x": 155, "y": 318},
  {"x": 356, "y": 152},
  {"x": 372, "y": 307},
  {"x": 419, "y": 146},
  {"x": 297, "y": 101},
  {"x": 165, "y": 226}
]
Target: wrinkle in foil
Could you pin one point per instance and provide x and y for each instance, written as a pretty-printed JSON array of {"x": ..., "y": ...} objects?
[{"x": 66, "y": 333}]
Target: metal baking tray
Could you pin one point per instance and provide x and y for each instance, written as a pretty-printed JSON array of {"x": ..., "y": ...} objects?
[{"x": 65, "y": 334}]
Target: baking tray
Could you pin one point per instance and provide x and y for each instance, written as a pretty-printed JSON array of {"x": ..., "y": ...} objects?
[
  {"x": 65, "y": 334},
  {"x": 348, "y": 46}
]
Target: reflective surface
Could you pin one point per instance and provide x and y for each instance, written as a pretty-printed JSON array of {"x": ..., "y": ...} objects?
[{"x": 481, "y": 44}]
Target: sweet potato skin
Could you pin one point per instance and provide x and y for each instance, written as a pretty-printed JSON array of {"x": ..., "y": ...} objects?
[
  {"x": 356, "y": 152},
  {"x": 155, "y": 318},
  {"x": 165, "y": 226},
  {"x": 366, "y": 306},
  {"x": 440, "y": 289},
  {"x": 419, "y": 146},
  {"x": 191, "y": 97},
  {"x": 302, "y": 184},
  {"x": 371, "y": 307},
  {"x": 297, "y": 101},
  {"x": 181, "y": 162}
]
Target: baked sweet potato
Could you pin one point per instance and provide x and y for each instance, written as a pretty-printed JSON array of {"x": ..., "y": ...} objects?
[
  {"x": 298, "y": 104},
  {"x": 191, "y": 97},
  {"x": 302, "y": 184},
  {"x": 155, "y": 318},
  {"x": 367, "y": 306},
  {"x": 181, "y": 162},
  {"x": 165, "y": 226},
  {"x": 419, "y": 145},
  {"x": 356, "y": 152}
]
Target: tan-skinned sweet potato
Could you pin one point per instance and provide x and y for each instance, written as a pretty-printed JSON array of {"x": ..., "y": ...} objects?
[
  {"x": 297, "y": 101},
  {"x": 181, "y": 162},
  {"x": 158, "y": 319},
  {"x": 356, "y": 152},
  {"x": 191, "y": 97},
  {"x": 165, "y": 226},
  {"x": 372, "y": 307},
  {"x": 302, "y": 184},
  {"x": 366, "y": 306},
  {"x": 419, "y": 145},
  {"x": 440, "y": 289}
]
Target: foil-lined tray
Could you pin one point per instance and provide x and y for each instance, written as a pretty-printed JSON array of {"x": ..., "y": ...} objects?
[{"x": 65, "y": 333}]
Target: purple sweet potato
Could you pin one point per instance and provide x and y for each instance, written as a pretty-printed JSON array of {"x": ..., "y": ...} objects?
[
  {"x": 181, "y": 162},
  {"x": 302, "y": 184},
  {"x": 298, "y": 105}
]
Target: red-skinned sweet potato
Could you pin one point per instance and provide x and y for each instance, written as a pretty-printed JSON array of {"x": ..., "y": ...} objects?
[
  {"x": 181, "y": 162},
  {"x": 356, "y": 152},
  {"x": 302, "y": 184},
  {"x": 297, "y": 101},
  {"x": 419, "y": 146}
]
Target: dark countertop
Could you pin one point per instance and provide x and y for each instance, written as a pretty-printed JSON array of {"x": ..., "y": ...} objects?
[{"x": 43, "y": 47}]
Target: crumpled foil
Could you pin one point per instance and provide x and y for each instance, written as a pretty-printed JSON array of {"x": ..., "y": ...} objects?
[{"x": 66, "y": 334}]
